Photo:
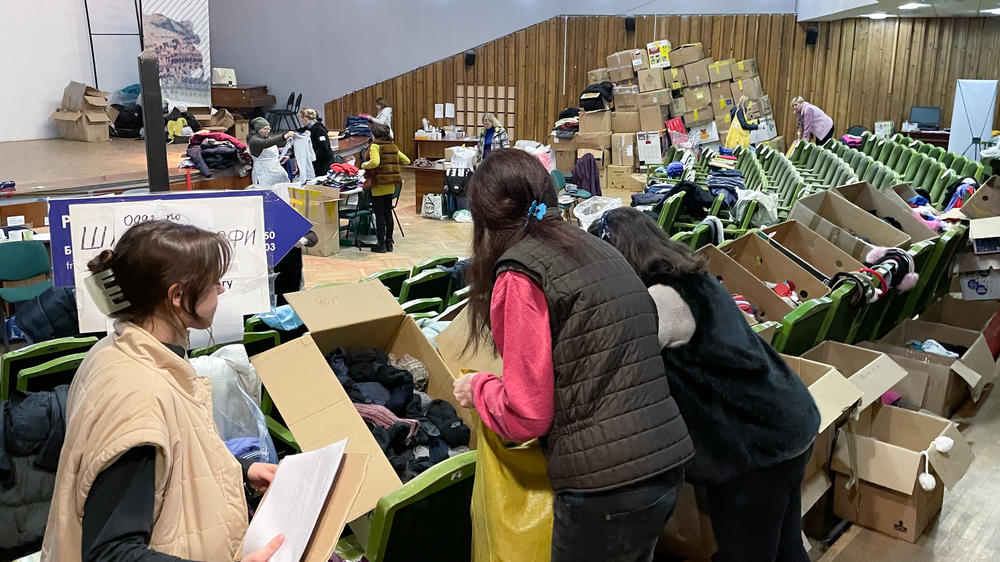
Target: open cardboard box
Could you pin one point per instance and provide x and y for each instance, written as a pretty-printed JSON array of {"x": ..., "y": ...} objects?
[
  {"x": 819, "y": 252},
  {"x": 738, "y": 281},
  {"x": 888, "y": 443},
  {"x": 950, "y": 382},
  {"x": 984, "y": 203},
  {"x": 900, "y": 194},
  {"x": 978, "y": 276},
  {"x": 868, "y": 198},
  {"x": 841, "y": 222},
  {"x": 312, "y": 401},
  {"x": 977, "y": 315},
  {"x": 769, "y": 264}
]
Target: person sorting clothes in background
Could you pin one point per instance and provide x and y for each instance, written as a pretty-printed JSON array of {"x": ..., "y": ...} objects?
[
  {"x": 491, "y": 137},
  {"x": 383, "y": 115},
  {"x": 320, "y": 139},
  {"x": 740, "y": 127},
  {"x": 581, "y": 365},
  {"x": 143, "y": 473},
  {"x": 813, "y": 122},
  {"x": 384, "y": 174},
  {"x": 752, "y": 419}
]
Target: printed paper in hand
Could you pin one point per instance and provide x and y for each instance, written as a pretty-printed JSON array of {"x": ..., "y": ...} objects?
[{"x": 294, "y": 502}]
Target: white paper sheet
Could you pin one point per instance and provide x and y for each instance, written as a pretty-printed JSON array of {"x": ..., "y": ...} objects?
[
  {"x": 449, "y": 110},
  {"x": 294, "y": 502},
  {"x": 438, "y": 110}
]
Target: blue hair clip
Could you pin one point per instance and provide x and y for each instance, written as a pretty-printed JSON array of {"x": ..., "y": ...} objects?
[{"x": 536, "y": 210}]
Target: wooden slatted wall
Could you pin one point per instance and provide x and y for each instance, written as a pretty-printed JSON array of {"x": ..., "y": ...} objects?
[{"x": 860, "y": 70}]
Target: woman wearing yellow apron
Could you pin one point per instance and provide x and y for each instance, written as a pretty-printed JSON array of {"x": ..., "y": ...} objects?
[{"x": 739, "y": 129}]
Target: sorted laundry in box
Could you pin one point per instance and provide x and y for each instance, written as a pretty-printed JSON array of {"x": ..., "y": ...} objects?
[{"x": 931, "y": 346}]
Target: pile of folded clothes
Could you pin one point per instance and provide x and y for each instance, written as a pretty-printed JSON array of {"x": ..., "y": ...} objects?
[
  {"x": 356, "y": 126},
  {"x": 414, "y": 431},
  {"x": 723, "y": 162},
  {"x": 726, "y": 182},
  {"x": 566, "y": 128},
  {"x": 209, "y": 151},
  {"x": 344, "y": 176}
]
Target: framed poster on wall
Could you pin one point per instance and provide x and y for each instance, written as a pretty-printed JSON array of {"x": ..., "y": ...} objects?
[{"x": 177, "y": 30}]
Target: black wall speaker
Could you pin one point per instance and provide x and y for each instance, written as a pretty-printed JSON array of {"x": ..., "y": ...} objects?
[
  {"x": 629, "y": 23},
  {"x": 812, "y": 34},
  {"x": 470, "y": 57}
]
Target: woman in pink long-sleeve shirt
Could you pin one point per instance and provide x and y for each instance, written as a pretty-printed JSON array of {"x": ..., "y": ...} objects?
[{"x": 813, "y": 122}]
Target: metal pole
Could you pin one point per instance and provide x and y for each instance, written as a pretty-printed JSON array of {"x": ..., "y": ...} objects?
[{"x": 152, "y": 120}]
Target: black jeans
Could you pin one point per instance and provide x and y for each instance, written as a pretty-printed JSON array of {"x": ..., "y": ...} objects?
[
  {"x": 828, "y": 135},
  {"x": 618, "y": 525},
  {"x": 289, "y": 270},
  {"x": 382, "y": 209},
  {"x": 757, "y": 517}
]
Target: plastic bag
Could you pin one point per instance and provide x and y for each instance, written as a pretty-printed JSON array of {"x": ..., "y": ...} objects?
[
  {"x": 463, "y": 157},
  {"x": 511, "y": 501},
  {"x": 235, "y": 399},
  {"x": 592, "y": 209},
  {"x": 462, "y": 215},
  {"x": 433, "y": 207}
]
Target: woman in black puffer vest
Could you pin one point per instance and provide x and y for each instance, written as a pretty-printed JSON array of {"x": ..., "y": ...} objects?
[{"x": 752, "y": 419}]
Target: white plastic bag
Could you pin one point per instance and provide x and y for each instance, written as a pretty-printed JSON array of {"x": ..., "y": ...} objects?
[
  {"x": 464, "y": 157},
  {"x": 592, "y": 209},
  {"x": 433, "y": 207}
]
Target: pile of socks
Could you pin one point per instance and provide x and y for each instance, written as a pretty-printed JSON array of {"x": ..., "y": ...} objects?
[{"x": 414, "y": 431}]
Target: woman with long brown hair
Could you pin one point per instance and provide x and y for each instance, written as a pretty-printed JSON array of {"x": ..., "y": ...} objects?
[
  {"x": 751, "y": 418},
  {"x": 143, "y": 473},
  {"x": 577, "y": 333}
]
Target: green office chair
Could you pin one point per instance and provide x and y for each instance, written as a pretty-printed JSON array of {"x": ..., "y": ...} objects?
[
  {"x": 669, "y": 211},
  {"x": 430, "y": 304},
  {"x": 974, "y": 170},
  {"x": 20, "y": 261},
  {"x": 254, "y": 342},
  {"x": 683, "y": 237},
  {"x": 939, "y": 187},
  {"x": 432, "y": 263},
  {"x": 50, "y": 374},
  {"x": 800, "y": 328},
  {"x": 873, "y": 313},
  {"x": 935, "y": 152},
  {"x": 410, "y": 520},
  {"x": 904, "y": 160},
  {"x": 953, "y": 245},
  {"x": 947, "y": 158},
  {"x": 432, "y": 283},
  {"x": 392, "y": 279},
  {"x": 13, "y": 362},
  {"x": 764, "y": 326}
]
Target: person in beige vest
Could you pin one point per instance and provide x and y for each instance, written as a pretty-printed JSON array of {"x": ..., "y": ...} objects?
[{"x": 143, "y": 473}]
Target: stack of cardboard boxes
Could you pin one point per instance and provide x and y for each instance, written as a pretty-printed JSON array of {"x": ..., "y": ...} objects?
[{"x": 83, "y": 114}]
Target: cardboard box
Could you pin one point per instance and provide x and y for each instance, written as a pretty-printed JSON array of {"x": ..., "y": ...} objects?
[
  {"x": 87, "y": 126},
  {"x": 626, "y": 101},
  {"x": 565, "y": 160},
  {"x": 688, "y": 533},
  {"x": 648, "y": 147},
  {"x": 760, "y": 108},
  {"x": 871, "y": 372},
  {"x": 328, "y": 243},
  {"x": 841, "y": 222},
  {"x": 653, "y": 118},
  {"x": 595, "y": 121},
  {"x": 686, "y": 54},
  {"x": 985, "y": 235},
  {"x": 697, "y": 72},
  {"x": 888, "y": 448},
  {"x": 900, "y": 193},
  {"x": 769, "y": 264},
  {"x": 656, "y": 98},
  {"x": 721, "y": 71},
  {"x": 640, "y": 59},
  {"x": 598, "y": 75},
  {"x": 620, "y": 66},
  {"x": 870, "y": 199},
  {"x": 950, "y": 381},
  {"x": 658, "y": 53},
  {"x": 651, "y": 80},
  {"x": 744, "y": 69},
  {"x": 749, "y": 87},
  {"x": 625, "y": 122},
  {"x": 83, "y": 98},
  {"x": 620, "y": 177},
  {"x": 721, "y": 91},
  {"x": 777, "y": 143},
  {"x": 984, "y": 203},
  {"x": 766, "y": 130},
  {"x": 583, "y": 140},
  {"x": 590, "y": 99},
  {"x": 221, "y": 119},
  {"x": 241, "y": 130},
  {"x": 723, "y": 119},
  {"x": 675, "y": 78},
  {"x": 697, "y": 97},
  {"x": 638, "y": 182},
  {"x": 623, "y": 149},
  {"x": 738, "y": 281},
  {"x": 318, "y": 203},
  {"x": 977, "y": 315},
  {"x": 704, "y": 134},
  {"x": 811, "y": 248},
  {"x": 602, "y": 156},
  {"x": 678, "y": 107},
  {"x": 698, "y": 117},
  {"x": 314, "y": 404}
]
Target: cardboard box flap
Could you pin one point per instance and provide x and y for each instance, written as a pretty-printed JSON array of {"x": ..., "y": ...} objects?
[
  {"x": 67, "y": 115},
  {"x": 351, "y": 305},
  {"x": 970, "y": 263},
  {"x": 94, "y": 100},
  {"x": 870, "y": 199},
  {"x": 96, "y": 117},
  {"x": 984, "y": 203},
  {"x": 737, "y": 280},
  {"x": 871, "y": 372},
  {"x": 880, "y": 463},
  {"x": 318, "y": 412},
  {"x": 451, "y": 345},
  {"x": 340, "y": 507},
  {"x": 73, "y": 95},
  {"x": 813, "y": 488},
  {"x": 976, "y": 367},
  {"x": 832, "y": 393},
  {"x": 951, "y": 466}
]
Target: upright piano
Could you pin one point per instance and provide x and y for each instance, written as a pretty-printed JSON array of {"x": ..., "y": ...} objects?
[{"x": 241, "y": 99}]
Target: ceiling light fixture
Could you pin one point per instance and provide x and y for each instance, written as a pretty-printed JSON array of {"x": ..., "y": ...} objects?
[
  {"x": 913, "y": 6},
  {"x": 877, "y": 16},
  {"x": 994, "y": 11}
]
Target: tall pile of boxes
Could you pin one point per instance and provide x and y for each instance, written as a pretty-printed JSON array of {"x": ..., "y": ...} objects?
[{"x": 655, "y": 84}]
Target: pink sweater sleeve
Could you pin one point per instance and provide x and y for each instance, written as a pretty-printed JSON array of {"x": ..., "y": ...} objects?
[{"x": 520, "y": 405}]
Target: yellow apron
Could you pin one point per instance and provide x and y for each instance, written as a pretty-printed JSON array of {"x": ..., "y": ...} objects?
[
  {"x": 737, "y": 136},
  {"x": 511, "y": 501}
]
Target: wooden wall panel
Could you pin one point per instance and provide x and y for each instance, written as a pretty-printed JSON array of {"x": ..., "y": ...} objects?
[{"x": 859, "y": 71}]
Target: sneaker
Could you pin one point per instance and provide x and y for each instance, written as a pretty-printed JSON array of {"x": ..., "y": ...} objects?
[
  {"x": 388, "y": 245},
  {"x": 379, "y": 249}
]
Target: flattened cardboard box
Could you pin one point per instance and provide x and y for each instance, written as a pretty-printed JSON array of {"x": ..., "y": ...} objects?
[
  {"x": 312, "y": 401},
  {"x": 816, "y": 250},
  {"x": 595, "y": 122},
  {"x": 868, "y": 198},
  {"x": 888, "y": 447},
  {"x": 738, "y": 281},
  {"x": 841, "y": 222}
]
